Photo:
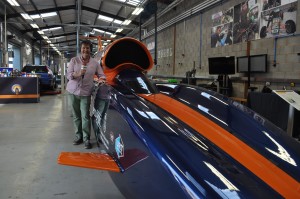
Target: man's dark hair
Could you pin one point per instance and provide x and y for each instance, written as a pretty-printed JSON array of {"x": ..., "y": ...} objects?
[{"x": 87, "y": 42}]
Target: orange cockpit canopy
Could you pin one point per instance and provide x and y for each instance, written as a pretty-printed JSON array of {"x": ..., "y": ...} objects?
[{"x": 125, "y": 53}]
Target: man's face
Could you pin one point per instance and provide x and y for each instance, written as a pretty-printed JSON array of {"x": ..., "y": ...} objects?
[
  {"x": 244, "y": 7},
  {"x": 85, "y": 51}
]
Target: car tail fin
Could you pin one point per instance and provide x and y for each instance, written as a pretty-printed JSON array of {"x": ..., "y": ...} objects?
[{"x": 100, "y": 161}]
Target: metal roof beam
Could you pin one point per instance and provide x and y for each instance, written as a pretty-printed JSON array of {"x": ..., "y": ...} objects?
[{"x": 66, "y": 41}]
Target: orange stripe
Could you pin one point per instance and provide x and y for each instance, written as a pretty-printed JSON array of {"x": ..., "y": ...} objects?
[
  {"x": 20, "y": 96},
  {"x": 280, "y": 181}
]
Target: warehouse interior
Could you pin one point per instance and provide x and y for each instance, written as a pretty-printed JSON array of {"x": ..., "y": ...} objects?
[{"x": 257, "y": 42}]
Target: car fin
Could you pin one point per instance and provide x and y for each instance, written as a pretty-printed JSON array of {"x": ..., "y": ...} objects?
[
  {"x": 100, "y": 161},
  {"x": 133, "y": 156}
]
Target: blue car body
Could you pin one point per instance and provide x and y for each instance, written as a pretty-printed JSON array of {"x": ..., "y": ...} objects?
[{"x": 181, "y": 141}]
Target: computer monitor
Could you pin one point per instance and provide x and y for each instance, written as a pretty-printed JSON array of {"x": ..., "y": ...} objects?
[
  {"x": 221, "y": 65},
  {"x": 258, "y": 64}
]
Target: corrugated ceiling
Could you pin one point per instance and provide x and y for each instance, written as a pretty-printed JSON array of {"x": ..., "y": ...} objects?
[{"x": 70, "y": 14}]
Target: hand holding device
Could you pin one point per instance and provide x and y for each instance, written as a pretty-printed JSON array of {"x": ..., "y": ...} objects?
[{"x": 101, "y": 80}]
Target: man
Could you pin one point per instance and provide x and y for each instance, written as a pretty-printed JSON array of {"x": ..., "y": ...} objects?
[
  {"x": 80, "y": 73},
  {"x": 215, "y": 37}
]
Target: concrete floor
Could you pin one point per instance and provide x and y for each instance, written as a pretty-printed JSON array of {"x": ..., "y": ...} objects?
[{"x": 31, "y": 137}]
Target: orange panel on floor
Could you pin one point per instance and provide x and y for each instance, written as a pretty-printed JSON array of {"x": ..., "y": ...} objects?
[{"x": 88, "y": 160}]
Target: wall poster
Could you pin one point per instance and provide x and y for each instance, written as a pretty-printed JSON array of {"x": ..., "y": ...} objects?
[
  {"x": 221, "y": 33},
  {"x": 253, "y": 19}
]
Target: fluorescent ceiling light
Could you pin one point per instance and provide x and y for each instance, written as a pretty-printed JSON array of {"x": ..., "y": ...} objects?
[
  {"x": 48, "y": 41},
  {"x": 113, "y": 36},
  {"x": 43, "y": 15},
  {"x": 119, "y": 30},
  {"x": 49, "y": 14},
  {"x": 26, "y": 16},
  {"x": 102, "y": 31},
  {"x": 57, "y": 37},
  {"x": 92, "y": 32},
  {"x": 45, "y": 37},
  {"x": 55, "y": 28},
  {"x": 137, "y": 11},
  {"x": 134, "y": 2},
  {"x": 34, "y": 25},
  {"x": 104, "y": 18},
  {"x": 35, "y": 16},
  {"x": 126, "y": 22},
  {"x": 40, "y": 32},
  {"x": 13, "y": 2},
  {"x": 95, "y": 29},
  {"x": 131, "y": 2},
  {"x": 118, "y": 21},
  {"x": 52, "y": 45},
  {"x": 51, "y": 29}
]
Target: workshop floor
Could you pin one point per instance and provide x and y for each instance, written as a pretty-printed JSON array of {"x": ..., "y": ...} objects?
[{"x": 31, "y": 137}]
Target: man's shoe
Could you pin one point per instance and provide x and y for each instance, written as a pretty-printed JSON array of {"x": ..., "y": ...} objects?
[
  {"x": 87, "y": 144},
  {"x": 77, "y": 141}
]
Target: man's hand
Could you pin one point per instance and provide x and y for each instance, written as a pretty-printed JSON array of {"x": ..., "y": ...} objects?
[
  {"x": 101, "y": 80},
  {"x": 76, "y": 74}
]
